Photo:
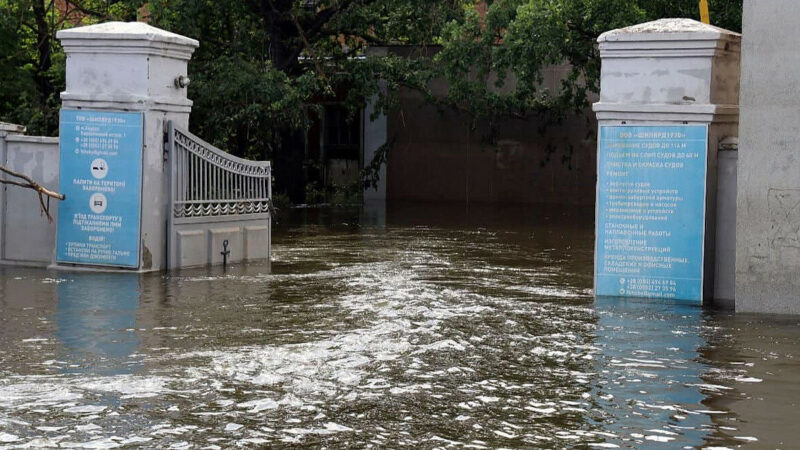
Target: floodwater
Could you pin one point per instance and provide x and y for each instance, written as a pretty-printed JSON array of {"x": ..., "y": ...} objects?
[{"x": 425, "y": 327}]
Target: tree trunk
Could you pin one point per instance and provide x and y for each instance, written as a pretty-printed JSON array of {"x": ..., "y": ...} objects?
[
  {"x": 43, "y": 49},
  {"x": 286, "y": 43}
]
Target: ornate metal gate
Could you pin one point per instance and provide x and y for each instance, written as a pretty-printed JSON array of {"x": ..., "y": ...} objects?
[{"x": 215, "y": 197}]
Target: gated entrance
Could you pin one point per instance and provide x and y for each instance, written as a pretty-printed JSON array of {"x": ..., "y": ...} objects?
[
  {"x": 216, "y": 198},
  {"x": 144, "y": 194}
]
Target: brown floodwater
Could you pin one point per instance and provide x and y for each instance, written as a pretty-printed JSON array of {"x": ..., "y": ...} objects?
[{"x": 426, "y": 326}]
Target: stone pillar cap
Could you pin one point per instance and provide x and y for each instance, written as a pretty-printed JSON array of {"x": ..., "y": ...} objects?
[
  {"x": 668, "y": 30},
  {"x": 126, "y": 31},
  {"x": 11, "y": 128}
]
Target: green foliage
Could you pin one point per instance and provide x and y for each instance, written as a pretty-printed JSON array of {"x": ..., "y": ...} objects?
[
  {"x": 494, "y": 64},
  {"x": 264, "y": 66},
  {"x": 724, "y": 13},
  {"x": 334, "y": 194},
  {"x": 32, "y": 63},
  {"x": 20, "y": 98}
]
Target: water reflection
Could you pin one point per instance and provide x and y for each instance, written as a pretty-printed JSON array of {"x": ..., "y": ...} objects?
[
  {"x": 435, "y": 326},
  {"x": 756, "y": 359},
  {"x": 96, "y": 320},
  {"x": 373, "y": 213},
  {"x": 649, "y": 372}
]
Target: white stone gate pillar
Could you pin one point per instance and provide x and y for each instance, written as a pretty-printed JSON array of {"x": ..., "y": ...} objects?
[
  {"x": 669, "y": 96},
  {"x": 123, "y": 81},
  {"x": 768, "y": 214}
]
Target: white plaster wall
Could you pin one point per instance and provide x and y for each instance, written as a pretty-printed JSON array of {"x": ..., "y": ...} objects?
[
  {"x": 28, "y": 237},
  {"x": 162, "y": 72},
  {"x": 656, "y": 80},
  {"x": 768, "y": 205},
  {"x": 107, "y": 75},
  {"x": 199, "y": 241}
]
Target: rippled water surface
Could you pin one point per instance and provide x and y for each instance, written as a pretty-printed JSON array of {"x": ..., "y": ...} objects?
[{"x": 427, "y": 327}]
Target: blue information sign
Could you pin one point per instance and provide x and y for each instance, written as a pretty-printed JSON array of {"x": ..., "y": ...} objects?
[
  {"x": 101, "y": 173},
  {"x": 651, "y": 189}
]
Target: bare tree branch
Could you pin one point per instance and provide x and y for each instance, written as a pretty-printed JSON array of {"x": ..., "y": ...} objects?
[
  {"x": 30, "y": 184},
  {"x": 77, "y": 6},
  {"x": 308, "y": 48}
]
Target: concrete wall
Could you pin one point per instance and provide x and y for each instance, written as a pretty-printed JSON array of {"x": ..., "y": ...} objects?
[
  {"x": 768, "y": 213},
  {"x": 200, "y": 241},
  {"x": 438, "y": 156},
  {"x": 27, "y": 237},
  {"x": 375, "y": 135}
]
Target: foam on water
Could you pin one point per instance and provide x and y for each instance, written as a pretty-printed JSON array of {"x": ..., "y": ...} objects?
[{"x": 403, "y": 337}]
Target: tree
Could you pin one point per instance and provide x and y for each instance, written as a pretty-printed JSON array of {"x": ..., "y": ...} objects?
[
  {"x": 32, "y": 63},
  {"x": 264, "y": 67},
  {"x": 724, "y": 13},
  {"x": 493, "y": 62},
  {"x": 264, "y": 64}
]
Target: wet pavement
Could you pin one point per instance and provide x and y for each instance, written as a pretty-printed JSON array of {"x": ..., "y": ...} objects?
[{"x": 431, "y": 326}]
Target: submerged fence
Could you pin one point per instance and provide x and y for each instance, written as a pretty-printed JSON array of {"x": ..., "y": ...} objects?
[{"x": 216, "y": 199}]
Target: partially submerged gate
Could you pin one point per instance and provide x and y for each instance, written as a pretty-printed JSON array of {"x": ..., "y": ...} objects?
[{"x": 218, "y": 203}]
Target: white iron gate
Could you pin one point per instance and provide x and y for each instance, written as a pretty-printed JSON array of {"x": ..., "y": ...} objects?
[{"x": 219, "y": 203}]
